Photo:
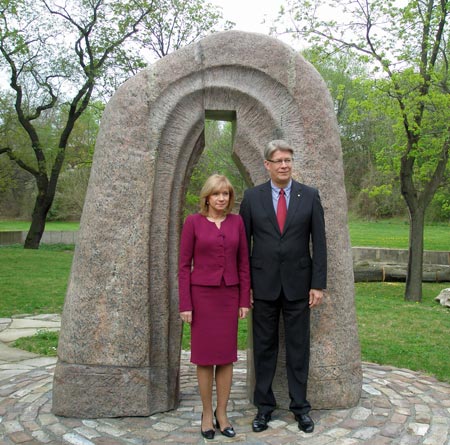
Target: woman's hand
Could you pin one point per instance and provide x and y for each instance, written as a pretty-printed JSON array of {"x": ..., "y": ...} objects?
[
  {"x": 243, "y": 311},
  {"x": 186, "y": 316}
]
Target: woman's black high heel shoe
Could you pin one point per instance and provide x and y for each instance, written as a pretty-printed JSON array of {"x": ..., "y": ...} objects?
[
  {"x": 208, "y": 434},
  {"x": 228, "y": 431}
]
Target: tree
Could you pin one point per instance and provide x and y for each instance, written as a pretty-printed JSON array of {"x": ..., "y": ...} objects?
[
  {"x": 60, "y": 54},
  {"x": 407, "y": 50},
  {"x": 177, "y": 23},
  {"x": 216, "y": 158},
  {"x": 341, "y": 74},
  {"x": 372, "y": 185},
  {"x": 73, "y": 181}
]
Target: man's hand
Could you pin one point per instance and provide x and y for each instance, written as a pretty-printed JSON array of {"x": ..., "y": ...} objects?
[
  {"x": 186, "y": 316},
  {"x": 315, "y": 297}
]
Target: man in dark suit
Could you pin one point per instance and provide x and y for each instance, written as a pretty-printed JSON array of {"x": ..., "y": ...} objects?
[{"x": 282, "y": 218}]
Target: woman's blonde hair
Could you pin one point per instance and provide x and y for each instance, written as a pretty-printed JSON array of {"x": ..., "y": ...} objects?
[{"x": 215, "y": 183}]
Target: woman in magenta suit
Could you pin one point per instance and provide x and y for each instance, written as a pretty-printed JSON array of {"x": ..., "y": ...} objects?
[{"x": 214, "y": 291}]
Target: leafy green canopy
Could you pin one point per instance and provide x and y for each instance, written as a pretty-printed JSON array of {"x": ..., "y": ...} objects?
[
  {"x": 405, "y": 46},
  {"x": 62, "y": 55}
]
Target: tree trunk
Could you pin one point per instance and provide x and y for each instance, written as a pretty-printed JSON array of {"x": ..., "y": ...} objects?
[
  {"x": 38, "y": 219},
  {"x": 413, "y": 289}
]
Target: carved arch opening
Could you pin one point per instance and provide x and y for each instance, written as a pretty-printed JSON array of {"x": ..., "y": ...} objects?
[{"x": 119, "y": 348}]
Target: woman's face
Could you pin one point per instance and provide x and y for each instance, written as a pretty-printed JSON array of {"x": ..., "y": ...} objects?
[{"x": 218, "y": 200}]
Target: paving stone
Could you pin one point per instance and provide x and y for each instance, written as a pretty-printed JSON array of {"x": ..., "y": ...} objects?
[
  {"x": 40, "y": 361},
  {"x": 47, "y": 419},
  {"x": 399, "y": 418},
  {"x": 361, "y": 413},
  {"x": 41, "y": 436},
  {"x": 365, "y": 433},
  {"x": 378, "y": 440},
  {"x": 347, "y": 441},
  {"x": 12, "y": 426},
  {"x": 371, "y": 390},
  {"x": 418, "y": 429},
  {"x": 57, "y": 429},
  {"x": 33, "y": 323},
  {"x": 110, "y": 430},
  {"x": 337, "y": 432},
  {"x": 109, "y": 441},
  {"x": 31, "y": 426},
  {"x": 6, "y": 375},
  {"x": 439, "y": 434},
  {"x": 89, "y": 433},
  {"x": 76, "y": 439},
  {"x": 46, "y": 317},
  {"x": 409, "y": 440},
  {"x": 20, "y": 437},
  {"x": 392, "y": 429},
  {"x": 401, "y": 407}
]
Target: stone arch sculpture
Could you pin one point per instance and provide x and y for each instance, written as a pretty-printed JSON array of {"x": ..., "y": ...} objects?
[{"x": 119, "y": 351}]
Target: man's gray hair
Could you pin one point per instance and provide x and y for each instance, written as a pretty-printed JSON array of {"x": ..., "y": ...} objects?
[{"x": 277, "y": 144}]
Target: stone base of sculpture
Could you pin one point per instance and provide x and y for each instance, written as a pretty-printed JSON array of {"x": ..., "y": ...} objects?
[{"x": 122, "y": 391}]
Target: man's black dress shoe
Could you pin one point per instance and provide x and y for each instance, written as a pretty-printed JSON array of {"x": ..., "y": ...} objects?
[
  {"x": 305, "y": 423},
  {"x": 260, "y": 422}
]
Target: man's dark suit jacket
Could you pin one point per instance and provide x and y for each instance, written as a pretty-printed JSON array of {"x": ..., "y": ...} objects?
[{"x": 284, "y": 260}]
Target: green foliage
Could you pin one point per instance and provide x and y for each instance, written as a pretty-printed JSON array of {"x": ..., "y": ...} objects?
[
  {"x": 62, "y": 57},
  {"x": 176, "y": 23},
  {"x": 16, "y": 184},
  {"x": 366, "y": 133},
  {"x": 216, "y": 158},
  {"x": 70, "y": 195},
  {"x": 406, "y": 47},
  {"x": 80, "y": 147},
  {"x": 439, "y": 209},
  {"x": 409, "y": 91},
  {"x": 379, "y": 198}
]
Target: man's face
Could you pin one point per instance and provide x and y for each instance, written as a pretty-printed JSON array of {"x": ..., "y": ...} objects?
[{"x": 280, "y": 167}]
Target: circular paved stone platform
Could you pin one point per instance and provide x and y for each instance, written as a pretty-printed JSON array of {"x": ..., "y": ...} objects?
[{"x": 397, "y": 407}]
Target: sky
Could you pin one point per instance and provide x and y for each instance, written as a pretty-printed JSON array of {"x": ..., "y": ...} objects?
[
  {"x": 249, "y": 14},
  {"x": 258, "y": 16}
]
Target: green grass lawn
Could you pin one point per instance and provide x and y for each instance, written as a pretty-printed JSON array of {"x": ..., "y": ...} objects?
[
  {"x": 394, "y": 233},
  {"x": 384, "y": 233},
  {"x": 33, "y": 281},
  {"x": 23, "y": 226},
  {"x": 45, "y": 342},
  {"x": 392, "y": 331},
  {"x": 403, "y": 334}
]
